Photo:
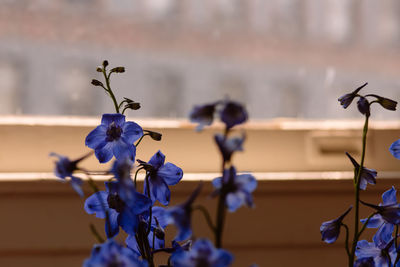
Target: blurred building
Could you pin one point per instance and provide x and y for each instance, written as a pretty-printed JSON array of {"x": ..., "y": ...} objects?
[{"x": 283, "y": 58}]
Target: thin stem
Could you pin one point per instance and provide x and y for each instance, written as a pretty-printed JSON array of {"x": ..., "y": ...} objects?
[
  {"x": 150, "y": 210},
  {"x": 96, "y": 233},
  {"x": 207, "y": 216},
  {"x": 109, "y": 91},
  {"x": 357, "y": 193},
  {"x": 136, "y": 173},
  {"x": 221, "y": 208},
  {"x": 346, "y": 244},
  {"x": 365, "y": 224},
  {"x": 140, "y": 139}
]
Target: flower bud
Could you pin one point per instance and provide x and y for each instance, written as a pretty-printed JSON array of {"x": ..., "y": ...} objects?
[
  {"x": 105, "y": 63},
  {"x": 155, "y": 136},
  {"x": 99, "y": 69},
  {"x": 97, "y": 82},
  {"x": 118, "y": 69}
]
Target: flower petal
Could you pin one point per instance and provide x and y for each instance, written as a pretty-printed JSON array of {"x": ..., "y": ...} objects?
[
  {"x": 128, "y": 221},
  {"x": 366, "y": 249},
  {"x": 157, "y": 160},
  {"x": 117, "y": 118},
  {"x": 97, "y": 203},
  {"x": 76, "y": 184},
  {"x": 235, "y": 200},
  {"x": 217, "y": 182},
  {"x": 121, "y": 150},
  {"x": 111, "y": 225},
  {"x": 170, "y": 173},
  {"x": 105, "y": 153},
  {"x": 375, "y": 221},
  {"x": 384, "y": 235},
  {"x": 247, "y": 182},
  {"x": 395, "y": 149},
  {"x": 96, "y": 137},
  {"x": 131, "y": 132},
  {"x": 389, "y": 197}
]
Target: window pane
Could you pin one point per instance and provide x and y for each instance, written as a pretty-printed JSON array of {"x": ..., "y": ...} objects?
[{"x": 282, "y": 58}]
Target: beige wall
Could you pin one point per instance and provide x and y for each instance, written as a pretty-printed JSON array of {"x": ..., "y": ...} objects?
[{"x": 43, "y": 222}]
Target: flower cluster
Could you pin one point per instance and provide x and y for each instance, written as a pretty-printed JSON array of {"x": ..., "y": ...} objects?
[
  {"x": 383, "y": 251},
  {"x": 144, "y": 214}
]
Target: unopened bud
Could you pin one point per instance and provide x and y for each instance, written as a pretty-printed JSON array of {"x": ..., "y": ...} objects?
[
  {"x": 118, "y": 69},
  {"x": 97, "y": 83},
  {"x": 99, "y": 69},
  {"x": 105, "y": 63},
  {"x": 155, "y": 136}
]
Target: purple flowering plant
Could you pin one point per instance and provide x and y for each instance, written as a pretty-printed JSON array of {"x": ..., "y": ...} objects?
[
  {"x": 144, "y": 214},
  {"x": 384, "y": 250}
]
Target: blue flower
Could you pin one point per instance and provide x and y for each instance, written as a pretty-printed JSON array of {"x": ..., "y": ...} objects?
[
  {"x": 395, "y": 149},
  {"x": 114, "y": 137},
  {"x": 381, "y": 250},
  {"x": 156, "y": 232},
  {"x": 111, "y": 253},
  {"x": 202, "y": 254},
  {"x": 389, "y": 213},
  {"x": 65, "y": 168},
  {"x": 119, "y": 213},
  {"x": 203, "y": 115},
  {"x": 125, "y": 187},
  {"x": 346, "y": 99},
  {"x": 180, "y": 216},
  {"x": 365, "y": 262},
  {"x": 160, "y": 175},
  {"x": 228, "y": 146},
  {"x": 330, "y": 230},
  {"x": 377, "y": 221},
  {"x": 237, "y": 188},
  {"x": 233, "y": 113},
  {"x": 230, "y": 112},
  {"x": 367, "y": 175}
]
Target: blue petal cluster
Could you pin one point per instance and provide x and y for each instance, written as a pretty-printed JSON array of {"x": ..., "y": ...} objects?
[
  {"x": 65, "y": 168},
  {"x": 382, "y": 251},
  {"x": 111, "y": 253},
  {"x": 203, "y": 254},
  {"x": 160, "y": 177},
  {"x": 238, "y": 188},
  {"x": 367, "y": 175},
  {"x": 228, "y": 146},
  {"x": 180, "y": 216},
  {"x": 230, "y": 112},
  {"x": 114, "y": 137},
  {"x": 377, "y": 221},
  {"x": 109, "y": 205}
]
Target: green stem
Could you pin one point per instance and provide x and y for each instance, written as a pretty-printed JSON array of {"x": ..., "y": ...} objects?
[
  {"x": 140, "y": 139},
  {"x": 346, "y": 244},
  {"x": 395, "y": 237},
  {"x": 136, "y": 173},
  {"x": 109, "y": 91},
  {"x": 365, "y": 224},
  {"x": 96, "y": 233},
  {"x": 357, "y": 193},
  {"x": 150, "y": 210},
  {"x": 221, "y": 208},
  {"x": 206, "y": 216}
]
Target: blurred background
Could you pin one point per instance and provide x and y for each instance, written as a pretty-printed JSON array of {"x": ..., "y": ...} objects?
[{"x": 282, "y": 58}]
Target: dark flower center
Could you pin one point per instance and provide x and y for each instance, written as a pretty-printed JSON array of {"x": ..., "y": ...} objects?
[
  {"x": 113, "y": 132},
  {"x": 115, "y": 202}
]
